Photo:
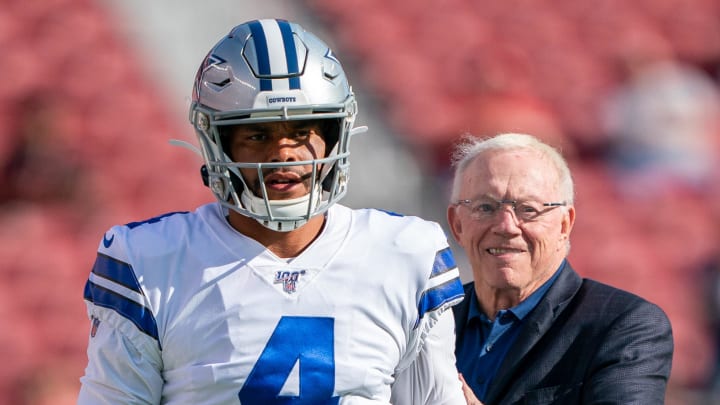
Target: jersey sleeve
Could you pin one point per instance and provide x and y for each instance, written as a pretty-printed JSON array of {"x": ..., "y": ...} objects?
[
  {"x": 124, "y": 358},
  {"x": 427, "y": 373},
  {"x": 442, "y": 289},
  {"x": 124, "y": 365},
  {"x": 432, "y": 377}
]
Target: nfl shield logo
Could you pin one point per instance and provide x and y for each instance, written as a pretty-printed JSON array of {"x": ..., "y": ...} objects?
[
  {"x": 288, "y": 279},
  {"x": 94, "y": 328}
]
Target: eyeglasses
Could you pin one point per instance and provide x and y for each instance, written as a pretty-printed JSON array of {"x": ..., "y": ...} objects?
[{"x": 524, "y": 211}]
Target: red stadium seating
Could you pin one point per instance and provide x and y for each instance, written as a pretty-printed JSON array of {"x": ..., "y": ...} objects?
[{"x": 438, "y": 68}]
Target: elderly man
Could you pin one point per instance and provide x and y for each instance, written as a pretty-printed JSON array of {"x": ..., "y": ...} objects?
[{"x": 531, "y": 330}]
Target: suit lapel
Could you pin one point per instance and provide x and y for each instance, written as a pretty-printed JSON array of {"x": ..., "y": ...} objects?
[
  {"x": 460, "y": 312},
  {"x": 536, "y": 325}
]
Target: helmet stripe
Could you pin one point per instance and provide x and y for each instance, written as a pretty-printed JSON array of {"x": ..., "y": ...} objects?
[
  {"x": 276, "y": 54},
  {"x": 271, "y": 60},
  {"x": 261, "y": 53},
  {"x": 290, "y": 53}
]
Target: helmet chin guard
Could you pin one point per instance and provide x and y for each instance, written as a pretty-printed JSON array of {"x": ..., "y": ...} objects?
[
  {"x": 277, "y": 210},
  {"x": 269, "y": 71}
]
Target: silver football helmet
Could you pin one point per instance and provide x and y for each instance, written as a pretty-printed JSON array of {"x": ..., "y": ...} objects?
[{"x": 264, "y": 71}]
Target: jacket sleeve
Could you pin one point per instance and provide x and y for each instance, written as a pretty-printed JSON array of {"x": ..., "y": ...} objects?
[
  {"x": 432, "y": 378},
  {"x": 633, "y": 359},
  {"x": 124, "y": 365}
]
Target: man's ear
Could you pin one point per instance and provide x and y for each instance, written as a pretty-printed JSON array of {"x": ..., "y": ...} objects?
[
  {"x": 567, "y": 222},
  {"x": 454, "y": 222}
]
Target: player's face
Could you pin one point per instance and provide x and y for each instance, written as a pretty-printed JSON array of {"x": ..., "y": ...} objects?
[
  {"x": 288, "y": 141},
  {"x": 507, "y": 254}
]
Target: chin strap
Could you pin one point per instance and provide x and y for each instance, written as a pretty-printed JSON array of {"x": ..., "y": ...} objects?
[{"x": 296, "y": 207}]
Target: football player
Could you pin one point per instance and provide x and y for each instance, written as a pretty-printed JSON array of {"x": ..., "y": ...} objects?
[{"x": 274, "y": 294}]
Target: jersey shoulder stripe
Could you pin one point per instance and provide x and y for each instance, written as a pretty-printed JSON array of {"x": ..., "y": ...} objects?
[
  {"x": 446, "y": 294},
  {"x": 112, "y": 284},
  {"x": 117, "y": 271},
  {"x": 445, "y": 285},
  {"x": 444, "y": 261}
]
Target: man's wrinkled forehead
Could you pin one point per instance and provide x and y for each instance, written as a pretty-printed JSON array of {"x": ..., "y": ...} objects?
[{"x": 524, "y": 167}]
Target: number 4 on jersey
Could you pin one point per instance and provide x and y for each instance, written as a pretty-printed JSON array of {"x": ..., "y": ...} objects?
[{"x": 307, "y": 341}]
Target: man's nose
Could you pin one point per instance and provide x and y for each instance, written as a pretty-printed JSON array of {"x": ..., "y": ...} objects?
[
  {"x": 509, "y": 209},
  {"x": 505, "y": 220},
  {"x": 284, "y": 149}
]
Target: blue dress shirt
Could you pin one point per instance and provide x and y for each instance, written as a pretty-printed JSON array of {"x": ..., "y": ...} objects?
[{"x": 486, "y": 342}]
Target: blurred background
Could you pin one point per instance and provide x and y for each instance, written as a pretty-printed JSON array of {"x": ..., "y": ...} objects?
[{"x": 92, "y": 91}]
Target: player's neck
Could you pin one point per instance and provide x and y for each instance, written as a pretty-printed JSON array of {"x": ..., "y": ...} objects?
[{"x": 282, "y": 244}]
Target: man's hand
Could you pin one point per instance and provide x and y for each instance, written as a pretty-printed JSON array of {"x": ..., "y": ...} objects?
[{"x": 470, "y": 397}]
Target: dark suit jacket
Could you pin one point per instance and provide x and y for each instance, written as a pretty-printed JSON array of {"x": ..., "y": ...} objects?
[{"x": 584, "y": 343}]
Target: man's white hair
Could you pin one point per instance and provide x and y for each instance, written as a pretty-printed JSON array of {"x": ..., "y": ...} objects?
[{"x": 470, "y": 146}]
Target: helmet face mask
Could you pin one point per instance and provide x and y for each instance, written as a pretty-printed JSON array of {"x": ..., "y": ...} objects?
[{"x": 270, "y": 71}]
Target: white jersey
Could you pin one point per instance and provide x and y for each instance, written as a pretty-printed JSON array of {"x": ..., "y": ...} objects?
[{"x": 186, "y": 310}]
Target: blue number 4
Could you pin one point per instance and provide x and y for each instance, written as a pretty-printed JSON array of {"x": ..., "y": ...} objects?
[{"x": 296, "y": 339}]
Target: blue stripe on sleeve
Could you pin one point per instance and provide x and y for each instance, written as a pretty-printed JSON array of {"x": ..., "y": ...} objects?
[
  {"x": 116, "y": 271},
  {"x": 136, "y": 313},
  {"x": 261, "y": 53},
  {"x": 440, "y": 295},
  {"x": 290, "y": 54},
  {"x": 444, "y": 261}
]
